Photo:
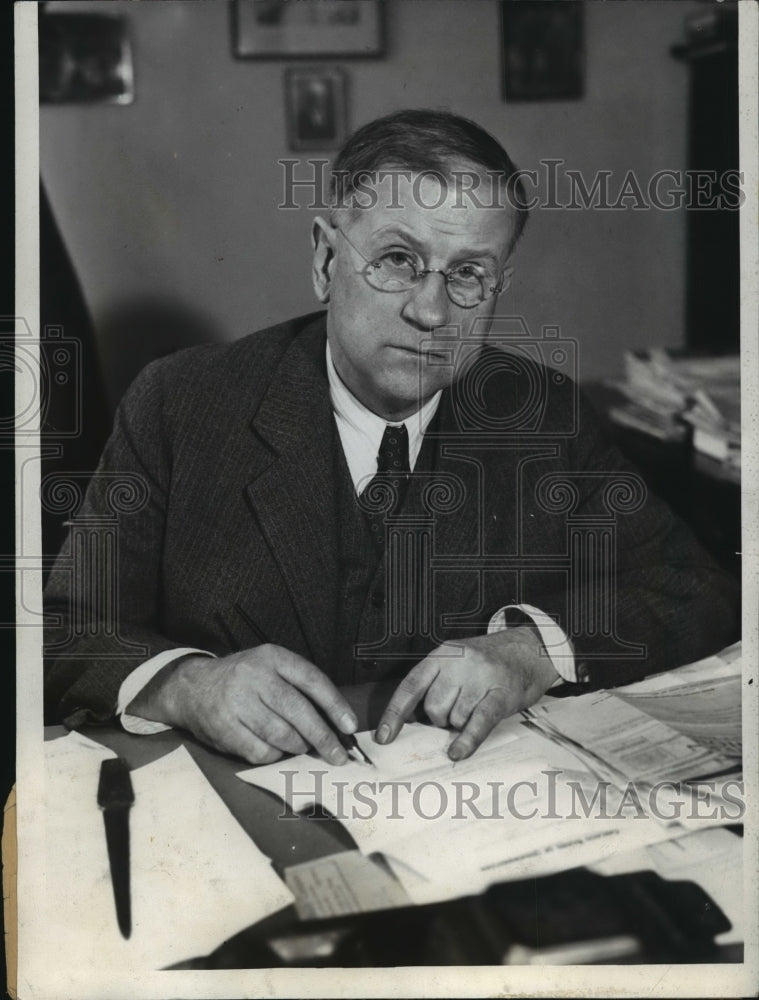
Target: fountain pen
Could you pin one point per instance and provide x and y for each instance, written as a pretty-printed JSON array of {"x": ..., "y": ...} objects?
[{"x": 350, "y": 743}]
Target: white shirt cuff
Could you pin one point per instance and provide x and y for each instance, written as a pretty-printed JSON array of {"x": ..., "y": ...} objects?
[
  {"x": 553, "y": 637},
  {"x": 137, "y": 680}
]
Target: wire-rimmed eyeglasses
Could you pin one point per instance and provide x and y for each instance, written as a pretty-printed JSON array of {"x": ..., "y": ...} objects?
[{"x": 467, "y": 285}]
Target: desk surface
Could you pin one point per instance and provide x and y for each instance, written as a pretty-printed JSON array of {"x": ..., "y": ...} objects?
[
  {"x": 302, "y": 839},
  {"x": 257, "y": 812}
]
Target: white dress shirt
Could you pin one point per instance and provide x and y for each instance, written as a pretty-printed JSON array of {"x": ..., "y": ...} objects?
[{"x": 360, "y": 432}]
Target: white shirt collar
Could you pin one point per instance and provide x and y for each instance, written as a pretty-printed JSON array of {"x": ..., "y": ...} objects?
[{"x": 361, "y": 430}]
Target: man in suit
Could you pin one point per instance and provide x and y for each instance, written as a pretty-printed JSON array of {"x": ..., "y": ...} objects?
[{"x": 370, "y": 492}]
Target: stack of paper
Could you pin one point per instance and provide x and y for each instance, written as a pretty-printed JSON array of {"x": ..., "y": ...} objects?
[
  {"x": 665, "y": 394},
  {"x": 654, "y": 401},
  {"x": 716, "y": 420},
  {"x": 448, "y": 832},
  {"x": 571, "y": 782}
]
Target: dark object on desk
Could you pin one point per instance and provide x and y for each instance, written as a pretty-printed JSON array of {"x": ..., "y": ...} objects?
[
  {"x": 548, "y": 920},
  {"x": 115, "y": 798},
  {"x": 669, "y": 920}
]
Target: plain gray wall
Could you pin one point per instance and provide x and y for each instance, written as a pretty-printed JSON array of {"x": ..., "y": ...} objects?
[{"x": 169, "y": 205}]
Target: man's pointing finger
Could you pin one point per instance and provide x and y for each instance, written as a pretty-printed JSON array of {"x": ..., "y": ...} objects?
[
  {"x": 405, "y": 698},
  {"x": 487, "y": 713}
]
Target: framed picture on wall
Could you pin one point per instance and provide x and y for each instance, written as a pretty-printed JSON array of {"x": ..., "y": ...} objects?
[
  {"x": 84, "y": 59},
  {"x": 543, "y": 49},
  {"x": 315, "y": 99},
  {"x": 277, "y": 29}
]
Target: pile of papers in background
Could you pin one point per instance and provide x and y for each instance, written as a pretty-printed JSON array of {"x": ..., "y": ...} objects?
[{"x": 664, "y": 395}]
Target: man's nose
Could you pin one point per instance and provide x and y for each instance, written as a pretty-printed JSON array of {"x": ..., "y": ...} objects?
[{"x": 428, "y": 306}]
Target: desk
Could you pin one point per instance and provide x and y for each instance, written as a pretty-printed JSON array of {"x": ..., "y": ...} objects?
[
  {"x": 460, "y": 932},
  {"x": 255, "y": 810}
]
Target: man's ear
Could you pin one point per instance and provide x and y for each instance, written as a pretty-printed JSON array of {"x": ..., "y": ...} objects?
[{"x": 321, "y": 268}]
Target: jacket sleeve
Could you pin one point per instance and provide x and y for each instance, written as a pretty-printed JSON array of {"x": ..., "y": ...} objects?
[{"x": 103, "y": 595}]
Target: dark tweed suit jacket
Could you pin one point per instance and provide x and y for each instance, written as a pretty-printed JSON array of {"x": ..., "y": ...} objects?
[{"x": 231, "y": 535}]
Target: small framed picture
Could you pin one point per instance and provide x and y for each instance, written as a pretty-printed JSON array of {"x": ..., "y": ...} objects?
[
  {"x": 543, "y": 50},
  {"x": 84, "y": 59},
  {"x": 271, "y": 29},
  {"x": 315, "y": 99}
]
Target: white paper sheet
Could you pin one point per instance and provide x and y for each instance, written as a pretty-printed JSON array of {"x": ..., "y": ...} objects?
[
  {"x": 627, "y": 739},
  {"x": 196, "y": 877},
  {"x": 522, "y": 805},
  {"x": 707, "y": 712},
  {"x": 397, "y": 799},
  {"x": 551, "y": 850},
  {"x": 700, "y": 702},
  {"x": 343, "y": 883}
]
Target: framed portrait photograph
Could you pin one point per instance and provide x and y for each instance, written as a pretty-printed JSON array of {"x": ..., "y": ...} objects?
[
  {"x": 315, "y": 99},
  {"x": 543, "y": 50},
  {"x": 274, "y": 29},
  {"x": 84, "y": 59}
]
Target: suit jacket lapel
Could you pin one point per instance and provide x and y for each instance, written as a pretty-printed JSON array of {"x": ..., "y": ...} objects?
[{"x": 293, "y": 494}]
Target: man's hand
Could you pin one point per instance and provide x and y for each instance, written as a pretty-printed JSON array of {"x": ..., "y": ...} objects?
[
  {"x": 258, "y": 704},
  {"x": 471, "y": 686}
]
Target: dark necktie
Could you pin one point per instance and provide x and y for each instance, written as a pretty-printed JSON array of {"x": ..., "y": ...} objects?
[
  {"x": 393, "y": 452},
  {"x": 384, "y": 493}
]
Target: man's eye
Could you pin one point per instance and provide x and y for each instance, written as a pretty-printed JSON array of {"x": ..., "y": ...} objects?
[
  {"x": 397, "y": 258},
  {"x": 467, "y": 273}
]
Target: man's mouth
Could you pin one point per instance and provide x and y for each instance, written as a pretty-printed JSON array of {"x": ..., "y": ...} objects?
[{"x": 420, "y": 352}]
